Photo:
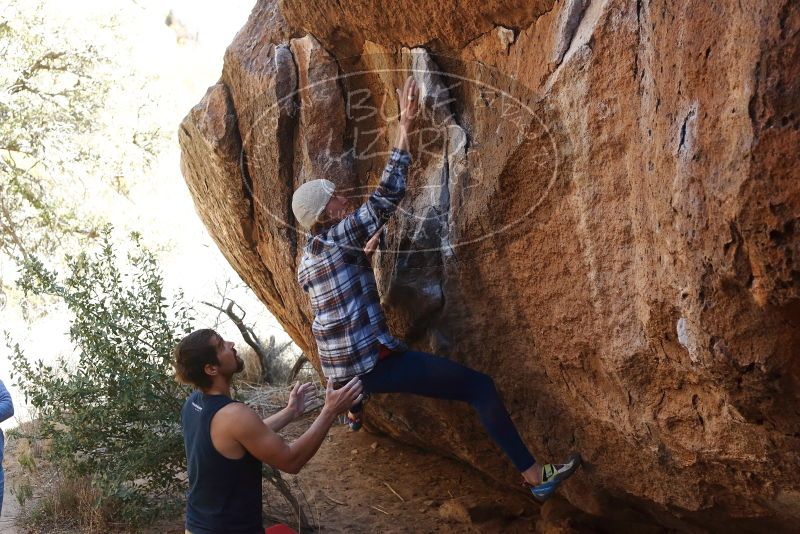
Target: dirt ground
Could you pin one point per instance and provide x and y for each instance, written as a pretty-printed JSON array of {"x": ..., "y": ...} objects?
[{"x": 360, "y": 482}]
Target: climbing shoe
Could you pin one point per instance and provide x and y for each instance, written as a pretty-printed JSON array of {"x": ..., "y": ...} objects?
[
  {"x": 552, "y": 477},
  {"x": 354, "y": 421}
]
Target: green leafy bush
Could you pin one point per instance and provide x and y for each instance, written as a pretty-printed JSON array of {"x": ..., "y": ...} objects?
[{"x": 113, "y": 411}]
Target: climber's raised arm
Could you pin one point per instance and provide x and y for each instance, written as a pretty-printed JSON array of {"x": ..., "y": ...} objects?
[
  {"x": 358, "y": 227},
  {"x": 408, "y": 100},
  {"x": 317, "y": 203}
]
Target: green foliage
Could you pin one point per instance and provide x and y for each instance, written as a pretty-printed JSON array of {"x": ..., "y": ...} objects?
[
  {"x": 49, "y": 100},
  {"x": 57, "y": 142},
  {"x": 113, "y": 412}
]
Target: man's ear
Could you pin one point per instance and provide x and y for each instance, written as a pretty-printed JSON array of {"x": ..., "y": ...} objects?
[{"x": 210, "y": 369}]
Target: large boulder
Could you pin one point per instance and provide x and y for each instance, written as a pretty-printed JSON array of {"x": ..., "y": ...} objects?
[{"x": 603, "y": 214}]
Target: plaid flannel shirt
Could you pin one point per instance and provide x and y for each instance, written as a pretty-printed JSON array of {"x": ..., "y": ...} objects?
[{"x": 349, "y": 324}]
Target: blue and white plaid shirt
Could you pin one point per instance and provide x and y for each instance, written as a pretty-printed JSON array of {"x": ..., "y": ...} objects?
[{"x": 349, "y": 324}]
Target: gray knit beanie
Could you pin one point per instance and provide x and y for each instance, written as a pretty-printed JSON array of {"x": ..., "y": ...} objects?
[{"x": 310, "y": 199}]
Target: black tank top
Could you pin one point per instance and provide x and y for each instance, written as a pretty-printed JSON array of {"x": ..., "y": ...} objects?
[{"x": 224, "y": 495}]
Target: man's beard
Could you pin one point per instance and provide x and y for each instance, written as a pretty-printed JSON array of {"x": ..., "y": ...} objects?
[{"x": 239, "y": 364}]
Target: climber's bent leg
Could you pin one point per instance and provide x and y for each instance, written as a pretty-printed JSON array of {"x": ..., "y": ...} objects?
[{"x": 421, "y": 373}]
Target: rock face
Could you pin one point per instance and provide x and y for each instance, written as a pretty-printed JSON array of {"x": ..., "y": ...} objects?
[{"x": 603, "y": 214}]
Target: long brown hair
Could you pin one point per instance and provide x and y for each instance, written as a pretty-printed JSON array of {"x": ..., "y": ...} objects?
[{"x": 192, "y": 354}]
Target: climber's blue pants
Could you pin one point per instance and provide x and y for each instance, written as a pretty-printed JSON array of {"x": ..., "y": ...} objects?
[{"x": 420, "y": 373}]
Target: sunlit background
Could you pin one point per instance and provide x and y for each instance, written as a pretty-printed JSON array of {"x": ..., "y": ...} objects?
[{"x": 166, "y": 54}]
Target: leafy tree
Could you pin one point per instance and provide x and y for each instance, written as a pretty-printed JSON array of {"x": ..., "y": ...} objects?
[
  {"x": 113, "y": 413},
  {"x": 57, "y": 140}
]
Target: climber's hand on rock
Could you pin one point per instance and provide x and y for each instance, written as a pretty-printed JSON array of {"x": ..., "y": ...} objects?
[
  {"x": 409, "y": 102},
  {"x": 372, "y": 244}
]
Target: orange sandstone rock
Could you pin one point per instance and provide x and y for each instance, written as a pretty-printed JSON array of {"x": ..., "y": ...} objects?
[{"x": 603, "y": 214}]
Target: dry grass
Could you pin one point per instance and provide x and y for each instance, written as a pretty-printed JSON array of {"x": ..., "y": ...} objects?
[
  {"x": 71, "y": 503},
  {"x": 281, "y": 369},
  {"x": 45, "y": 498},
  {"x": 252, "y": 366},
  {"x": 279, "y": 365},
  {"x": 50, "y": 501}
]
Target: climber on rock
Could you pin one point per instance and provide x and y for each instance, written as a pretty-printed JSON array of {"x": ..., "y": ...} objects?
[
  {"x": 349, "y": 325},
  {"x": 226, "y": 441}
]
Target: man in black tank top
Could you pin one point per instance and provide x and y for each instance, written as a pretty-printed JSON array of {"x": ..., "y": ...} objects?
[{"x": 226, "y": 441}]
